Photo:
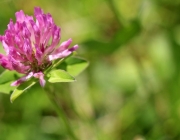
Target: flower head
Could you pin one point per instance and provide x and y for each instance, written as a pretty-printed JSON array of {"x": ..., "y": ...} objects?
[{"x": 31, "y": 45}]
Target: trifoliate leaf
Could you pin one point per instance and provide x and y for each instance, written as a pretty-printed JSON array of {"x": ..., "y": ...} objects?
[
  {"x": 76, "y": 65},
  {"x": 21, "y": 89},
  {"x": 8, "y": 76},
  {"x": 55, "y": 76},
  {"x": 6, "y": 88}
]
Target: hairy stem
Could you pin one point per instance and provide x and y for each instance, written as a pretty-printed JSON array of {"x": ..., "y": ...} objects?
[{"x": 61, "y": 114}]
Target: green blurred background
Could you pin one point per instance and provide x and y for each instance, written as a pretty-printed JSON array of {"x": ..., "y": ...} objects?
[{"x": 130, "y": 91}]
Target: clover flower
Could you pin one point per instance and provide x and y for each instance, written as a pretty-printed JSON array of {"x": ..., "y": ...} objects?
[{"x": 31, "y": 45}]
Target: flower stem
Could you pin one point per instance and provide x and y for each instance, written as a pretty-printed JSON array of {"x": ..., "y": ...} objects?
[{"x": 61, "y": 114}]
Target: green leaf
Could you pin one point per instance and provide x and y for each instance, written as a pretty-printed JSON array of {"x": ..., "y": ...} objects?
[
  {"x": 55, "y": 76},
  {"x": 8, "y": 76},
  {"x": 76, "y": 65},
  {"x": 21, "y": 88},
  {"x": 6, "y": 88}
]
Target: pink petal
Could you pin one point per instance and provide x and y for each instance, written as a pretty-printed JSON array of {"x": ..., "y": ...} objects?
[
  {"x": 64, "y": 45},
  {"x": 56, "y": 35},
  {"x": 38, "y": 11},
  {"x": 25, "y": 31},
  {"x": 6, "y": 47},
  {"x": 22, "y": 79},
  {"x": 62, "y": 54},
  {"x": 15, "y": 54},
  {"x": 4, "y": 62},
  {"x": 11, "y": 25},
  {"x": 49, "y": 29},
  {"x": 28, "y": 49},
  {"x": 40, "y": 21},
  {"x": 38, "y": 54},
  {"x": 16, "y": 65},
  {"x": 20, "y": 16},
  {"x": 40, "y": 75},
  {"x": 55, "y": 40},
  {"x": 36, "y": 32}
]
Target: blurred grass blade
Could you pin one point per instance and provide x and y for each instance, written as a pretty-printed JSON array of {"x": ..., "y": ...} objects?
[
  {"x": 55, "y": 76},
  {"x": 21, "y": 89},
  {"x": 120, "y": 37}
]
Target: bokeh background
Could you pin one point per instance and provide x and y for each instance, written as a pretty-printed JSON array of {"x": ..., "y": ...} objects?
[{"x": 131, "y": 89}]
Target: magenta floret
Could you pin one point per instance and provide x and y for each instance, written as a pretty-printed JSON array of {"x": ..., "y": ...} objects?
[{"x": 31, "y": 45}]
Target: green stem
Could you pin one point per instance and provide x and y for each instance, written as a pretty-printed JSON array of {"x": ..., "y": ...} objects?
[
  {"x": 61, "y": 114},
  {"x": 55, "y": 65},
  {"x": 59, "y": 62}
]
